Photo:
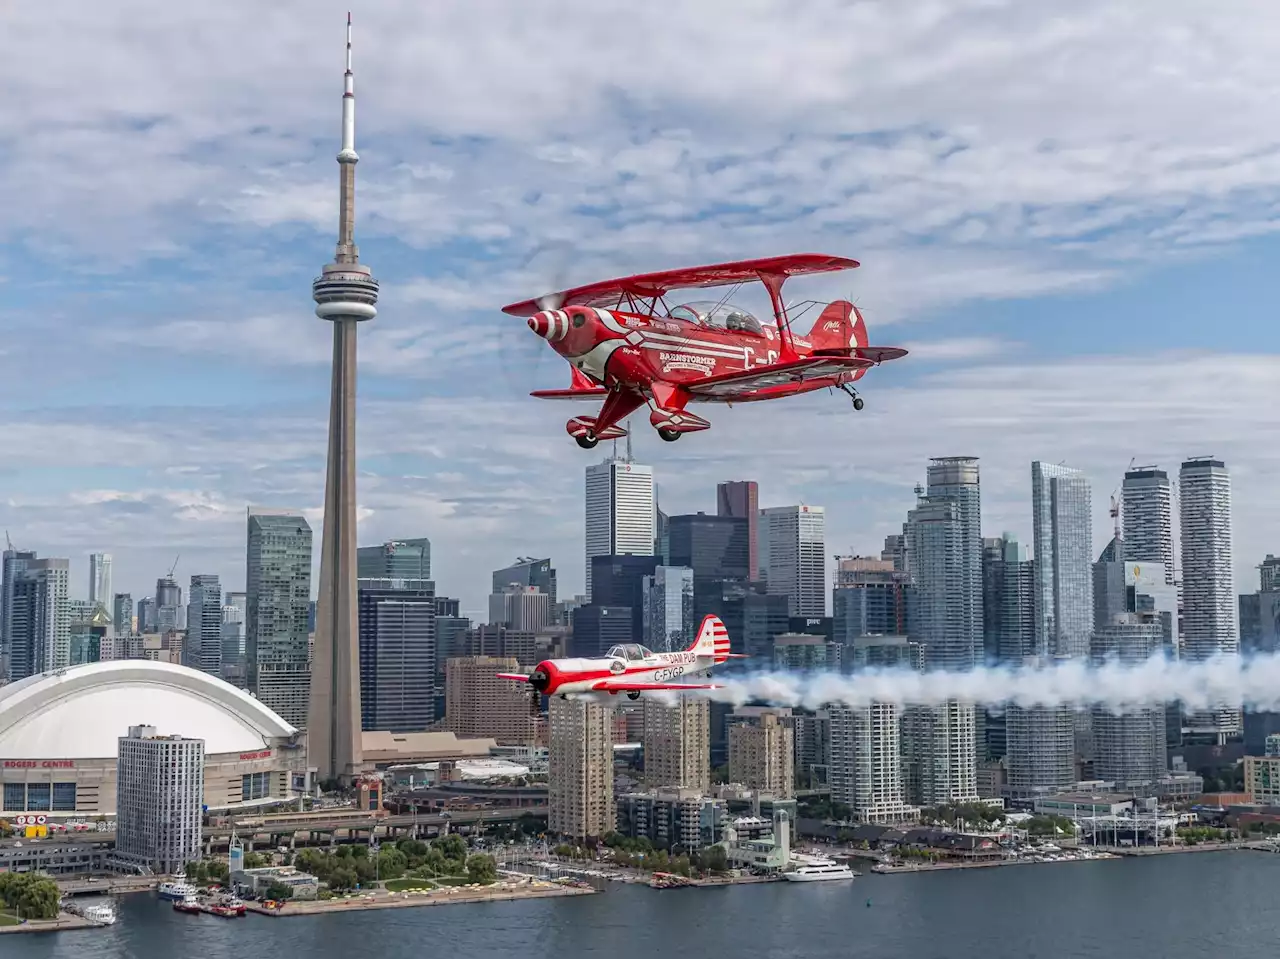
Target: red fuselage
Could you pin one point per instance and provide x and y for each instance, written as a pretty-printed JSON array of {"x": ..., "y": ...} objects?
[{"x": 656, "y": 356}]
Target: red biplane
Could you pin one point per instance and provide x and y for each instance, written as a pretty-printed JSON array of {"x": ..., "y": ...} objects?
[{"x": 627, "y": 348}]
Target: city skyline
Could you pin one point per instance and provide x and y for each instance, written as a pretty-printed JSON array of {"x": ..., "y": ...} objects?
[
  {"x": 473, "y": 593},
  {"x": 1090, "y": 260}
]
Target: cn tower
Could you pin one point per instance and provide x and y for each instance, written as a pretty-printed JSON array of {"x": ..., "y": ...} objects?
[{"x": 346, "y": 295}]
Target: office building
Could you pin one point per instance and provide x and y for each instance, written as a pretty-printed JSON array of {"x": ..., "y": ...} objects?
[
  {"x": 1136, "y": 587},
  {"x": 619, "y": 511},
  {"x": 944, "y": 547},
  {"x": 1041, "y": 740},
  {"x": 122, "y": 614},
  {"x": 672, "y": 817},
  {"x": 792, "y": 554},
  {"x": 396, "y": 559},
  {"x": 668, "y": 623},
  {"x": 580, "y": 768},
  {"x": 518, "y": 607},
  {"x": 866, "y": 762},
  {"x": 740, "y": 499},
  {"x": 677, "y": 746},
  {"x": 168, "y": 604},
  {"x": 15, "y": 561},
  {"x": 866, "y": 759},
  {"x": 1062, "y": 518},
  {"x": 159, "y": 800},
  {"x": 278, "y": 591},
  {"x": 762, "y": 750},
  {"x": 536, "y": 573},
  {"x": 204, "y": 625},
  {"x": 1208, "y": 584},
  {"x": 714, "y": 547},
  {"x": 100, "y": 578},
  {"x": 596, "y": 628},
  {"x": 397, "y": 637},
  {"x": 1146, "y": 511},
  {"x": 146, "y": 615},
  {"x": 39, "y": 618},
  {"x": 479, "y": 705},
  {"x": 1130, "y": 747},
  {"x": 869, "y": 598},
  {"x": 807, "y": 653},
  {"x": 1009, "y": 610},
  {"x": 619, "y": 581}
]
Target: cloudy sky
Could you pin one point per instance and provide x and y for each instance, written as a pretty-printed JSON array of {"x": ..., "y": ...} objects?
[{"x": 1067, "y": 212}]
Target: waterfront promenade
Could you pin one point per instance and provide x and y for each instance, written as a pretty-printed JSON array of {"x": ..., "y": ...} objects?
[
  {"x": 64, "y": 923},
  {"x": 503, "y": 891}
]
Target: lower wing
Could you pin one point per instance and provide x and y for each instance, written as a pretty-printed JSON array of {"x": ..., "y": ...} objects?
[
  {"x": 630, "y": 686},
  {"x": 745, "y": 382}
]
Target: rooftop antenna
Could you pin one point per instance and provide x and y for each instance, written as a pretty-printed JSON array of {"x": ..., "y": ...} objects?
[{"x": 629, "y": 459}]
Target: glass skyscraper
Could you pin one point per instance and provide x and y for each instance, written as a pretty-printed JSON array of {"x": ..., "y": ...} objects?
[
  {"x": 1062, "y": 524},
  {"x": 278, "y": 581},
  {"x": 397, "y": 559}
]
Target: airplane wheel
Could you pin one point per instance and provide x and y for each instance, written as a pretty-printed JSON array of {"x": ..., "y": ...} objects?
[
  {"x": 634, "y": 694},
  {"x": 857, "y": 403},
  {"x": 669, "y": 435},
  {"x": 587, "y": 441}
]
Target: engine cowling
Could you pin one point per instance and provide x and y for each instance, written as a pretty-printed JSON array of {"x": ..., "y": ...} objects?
[{"x": 544, "y": 676}]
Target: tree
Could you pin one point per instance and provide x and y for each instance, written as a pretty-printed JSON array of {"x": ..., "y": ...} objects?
[
  {"x": 713, "y": 859},
  {"x": 343, "y": 878},
  {"x": 255, "y": 860},
  {"x": 452, "y": 846},
  {"x": 482, "y": 868},
  {"x": 32, "y": 895},
  {"x": 392, "y": 863},
  {"x": 279, "y": 892}
]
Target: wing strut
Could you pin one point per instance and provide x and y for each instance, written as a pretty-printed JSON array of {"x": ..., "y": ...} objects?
[{"x": 773, "y": 283}]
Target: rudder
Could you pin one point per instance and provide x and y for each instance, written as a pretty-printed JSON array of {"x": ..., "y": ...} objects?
[
  {"x": 713, "y": 640},
  {"x": 840, "y": 326}
]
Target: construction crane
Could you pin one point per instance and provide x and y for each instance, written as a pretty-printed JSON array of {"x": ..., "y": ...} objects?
[{"x": 174, "y": 567}]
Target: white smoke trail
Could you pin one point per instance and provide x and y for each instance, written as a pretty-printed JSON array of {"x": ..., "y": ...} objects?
[{"x": 1252, "y": 682}]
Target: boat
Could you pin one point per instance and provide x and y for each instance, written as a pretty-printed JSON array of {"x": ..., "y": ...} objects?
[
  {"x": 812, "y": 869},
  {"x": 176, "y": 888},
  {"x": 101, "y": 913},
  {"x": 189, "y": 904},
  {"x": 666, "y": 880}
]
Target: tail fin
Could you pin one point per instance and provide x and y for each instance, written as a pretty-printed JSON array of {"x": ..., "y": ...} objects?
[
  {"x": 839, "y": 327},
  {"x": 713, "y": 640}
]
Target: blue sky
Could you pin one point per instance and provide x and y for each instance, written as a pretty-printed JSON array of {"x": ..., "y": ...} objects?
[{"x": 1068, "y": 214}]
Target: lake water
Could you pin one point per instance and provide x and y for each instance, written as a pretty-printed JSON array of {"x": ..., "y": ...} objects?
[{"x": 1172, "y": 907}]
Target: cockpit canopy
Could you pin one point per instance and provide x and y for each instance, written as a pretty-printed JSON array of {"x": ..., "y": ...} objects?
[
  {"x": 632, "y": 652},
  {"x": 718, "y": 316}
]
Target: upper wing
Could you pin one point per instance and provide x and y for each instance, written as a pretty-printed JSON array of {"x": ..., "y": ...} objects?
[
  {"x": 779, "y": 374},
  {"x": 647, "y": 285},
  {"x": 632, "y": 686}
]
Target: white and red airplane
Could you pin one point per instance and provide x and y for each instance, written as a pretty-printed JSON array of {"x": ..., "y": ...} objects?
[{"x": 632, "y": 669}]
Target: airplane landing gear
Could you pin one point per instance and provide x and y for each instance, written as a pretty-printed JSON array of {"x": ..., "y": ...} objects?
[
  {"x": 669, "y": 435},
  {"x": 587, "y": 441},
  {"x": 857, "y": 400},
  {"x": 633, "y": 694}
]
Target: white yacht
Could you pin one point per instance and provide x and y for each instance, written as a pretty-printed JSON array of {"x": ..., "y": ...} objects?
[
  {"x": 813, "y": 869},
  {"x": 100, "y": 913},
  {"x": 177, "y": 888}
]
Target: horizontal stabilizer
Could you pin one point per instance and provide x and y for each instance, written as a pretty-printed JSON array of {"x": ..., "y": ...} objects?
[{"x": 592, "y": 393}]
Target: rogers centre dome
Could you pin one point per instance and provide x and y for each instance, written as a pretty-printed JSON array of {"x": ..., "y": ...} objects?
[{"x": 59, "y": 737}]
